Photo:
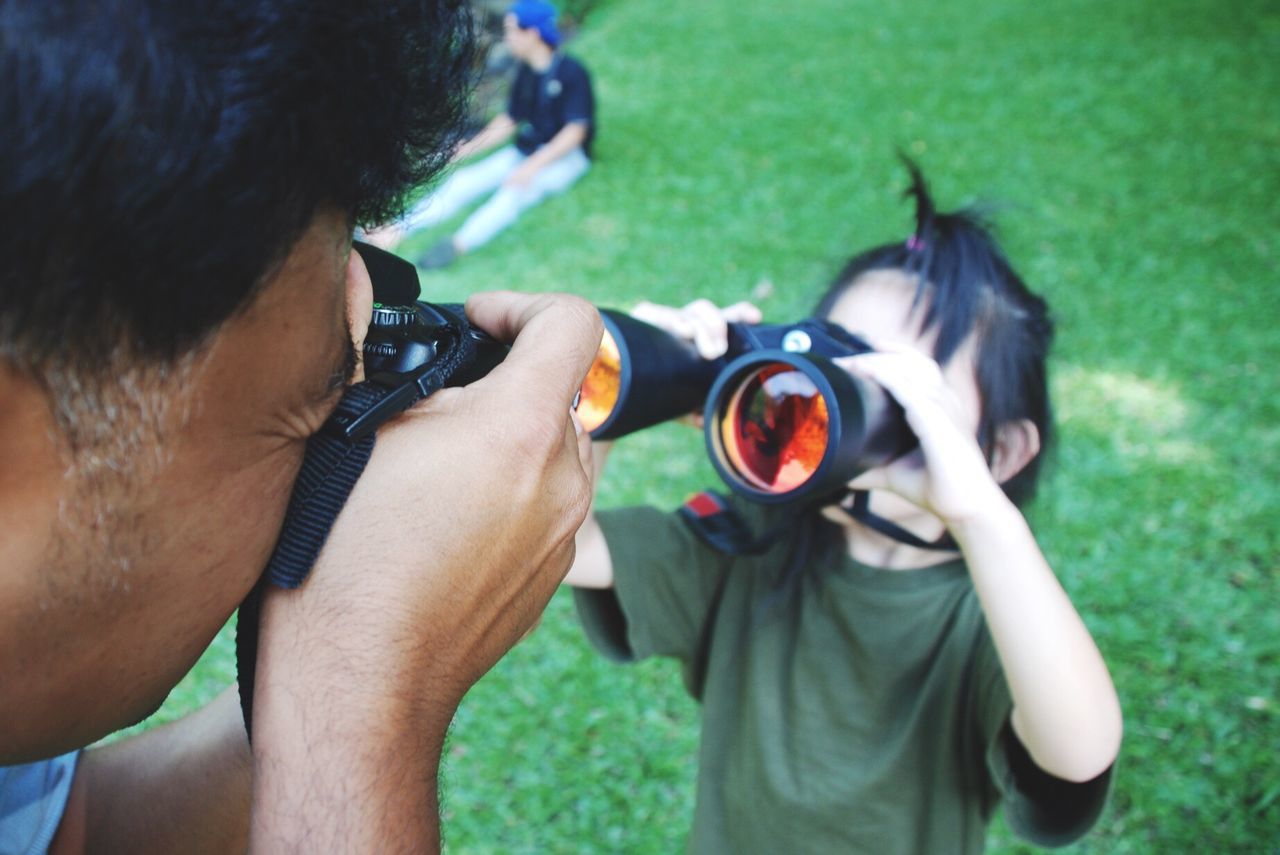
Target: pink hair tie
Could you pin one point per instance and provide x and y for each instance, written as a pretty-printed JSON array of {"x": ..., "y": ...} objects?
[{"x": 915, "y": 243}]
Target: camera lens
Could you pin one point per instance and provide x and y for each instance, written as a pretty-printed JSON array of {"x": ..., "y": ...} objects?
[
  {"x": 601, "y": 388},
  {"x": 775, "y": 428}
]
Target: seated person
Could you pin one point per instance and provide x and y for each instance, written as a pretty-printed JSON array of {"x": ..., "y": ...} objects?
[
  {"x": 551, "y": 113},
  {"x": 886, "y": 673}
]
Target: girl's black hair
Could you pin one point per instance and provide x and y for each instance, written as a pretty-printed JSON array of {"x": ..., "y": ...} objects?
[{"x": 967, "y": 286}]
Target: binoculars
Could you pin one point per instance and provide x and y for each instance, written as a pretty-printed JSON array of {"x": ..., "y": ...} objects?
[{"x": 783, "y": 423}]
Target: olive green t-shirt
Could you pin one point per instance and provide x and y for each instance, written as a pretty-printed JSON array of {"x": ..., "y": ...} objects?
[{"x": 845, "y": 708}]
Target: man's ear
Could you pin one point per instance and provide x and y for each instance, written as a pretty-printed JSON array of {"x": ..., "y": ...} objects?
[{"x": 1017, "y": 444}]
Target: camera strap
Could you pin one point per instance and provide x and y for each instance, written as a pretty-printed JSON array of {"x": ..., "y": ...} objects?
[{"x": 335, "y": 458}]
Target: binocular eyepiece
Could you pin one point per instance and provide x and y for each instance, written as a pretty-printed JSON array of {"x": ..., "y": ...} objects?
[{"x": 782, "y": 421}]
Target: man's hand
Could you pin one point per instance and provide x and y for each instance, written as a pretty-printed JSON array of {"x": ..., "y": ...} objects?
[{"x": 450, "y": 546}]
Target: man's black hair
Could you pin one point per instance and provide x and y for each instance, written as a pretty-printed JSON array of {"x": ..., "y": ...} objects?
[
  {"x": 968, "y": 286},
  {"x": 159, "y": 159}
]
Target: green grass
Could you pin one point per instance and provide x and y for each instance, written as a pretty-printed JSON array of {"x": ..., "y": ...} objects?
[{"x": 1134, "y": 150}]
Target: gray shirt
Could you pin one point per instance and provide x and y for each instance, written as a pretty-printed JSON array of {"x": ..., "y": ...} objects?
[{"x": 32, "y": 799}]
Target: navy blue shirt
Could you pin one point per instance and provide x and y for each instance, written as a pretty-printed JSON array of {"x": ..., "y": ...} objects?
[{"x": 543, "y": 103}]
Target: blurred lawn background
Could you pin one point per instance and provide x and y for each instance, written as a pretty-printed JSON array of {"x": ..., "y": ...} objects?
[{"x": 746, "y": 148}]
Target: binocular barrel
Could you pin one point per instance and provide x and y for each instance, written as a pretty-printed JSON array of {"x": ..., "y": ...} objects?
[{"x": 641, "y": 377}]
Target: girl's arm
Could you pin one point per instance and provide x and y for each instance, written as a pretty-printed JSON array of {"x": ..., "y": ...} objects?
[
  {"x": 592, "y": 565},
  {"x": 1065, "y": 708}
]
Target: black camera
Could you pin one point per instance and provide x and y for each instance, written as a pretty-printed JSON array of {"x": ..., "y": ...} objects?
[
  {"x": 412, "y": 349},
  {"x": 782, "y": 421}
]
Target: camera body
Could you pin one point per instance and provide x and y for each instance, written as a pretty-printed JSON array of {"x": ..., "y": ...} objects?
[
  {"x": 412, "y": 348},
  {"x": 411, "y": 351},
  {"x": 403, "y": 340}
]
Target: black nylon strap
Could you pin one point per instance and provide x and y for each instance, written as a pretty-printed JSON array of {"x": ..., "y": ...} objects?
[
  {"x": 329, "y": 471},
  {"x": 861, "y": 511}
]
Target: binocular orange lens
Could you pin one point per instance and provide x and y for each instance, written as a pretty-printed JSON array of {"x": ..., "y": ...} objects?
[
  {"x": 775, "y": 428},
  {"x": 600, "y": 390}
]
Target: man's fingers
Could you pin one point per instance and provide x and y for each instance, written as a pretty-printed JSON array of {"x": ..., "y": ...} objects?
[{"x": 555, "y": 338}]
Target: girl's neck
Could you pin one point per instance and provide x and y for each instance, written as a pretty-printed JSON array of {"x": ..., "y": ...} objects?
[{"x": 870, "y": 547}]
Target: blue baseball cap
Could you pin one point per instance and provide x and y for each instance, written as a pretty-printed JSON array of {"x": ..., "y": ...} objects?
[{"x": 540, "y": 15}]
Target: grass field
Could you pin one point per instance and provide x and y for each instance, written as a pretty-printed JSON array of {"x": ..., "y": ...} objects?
[{"x": 1133, "y": 152}]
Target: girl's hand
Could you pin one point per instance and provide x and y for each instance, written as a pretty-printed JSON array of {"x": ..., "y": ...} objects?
[
  {"x": 701, "y": 322},
  {"x": 948, "y": 475}
]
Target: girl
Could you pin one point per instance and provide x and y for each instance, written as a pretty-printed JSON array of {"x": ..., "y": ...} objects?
[{"x": 891, "y": 669}]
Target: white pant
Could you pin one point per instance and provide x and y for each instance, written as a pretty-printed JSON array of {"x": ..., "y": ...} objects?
[{"x": 472, "y": 181}]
